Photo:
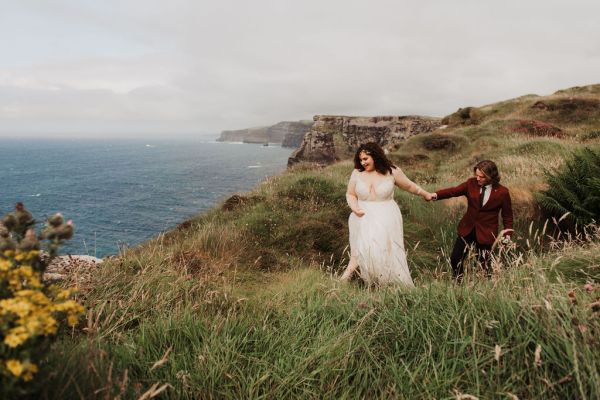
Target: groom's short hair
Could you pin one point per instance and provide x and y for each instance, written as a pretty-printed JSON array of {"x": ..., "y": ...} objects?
[{"x": 490, "y": 170}]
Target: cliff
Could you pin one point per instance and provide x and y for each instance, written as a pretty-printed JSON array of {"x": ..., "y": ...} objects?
[
  {"x": 288, "y": 133},
  {"x": 333, "y": 137},
  {"x": 249, "y": 135},
  {"x": 292, "y": 132}
]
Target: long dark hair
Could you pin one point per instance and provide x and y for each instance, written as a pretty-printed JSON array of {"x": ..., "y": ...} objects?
[
  {"x": 382, "y": 164},
  {"x": 490, "y": 170}
]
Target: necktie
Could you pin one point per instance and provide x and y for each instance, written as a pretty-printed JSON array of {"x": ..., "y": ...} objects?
[{"x": 481, "y": 197}]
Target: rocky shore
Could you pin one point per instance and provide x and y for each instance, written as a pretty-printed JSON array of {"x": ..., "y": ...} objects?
[{"x": 73, "y": 268}]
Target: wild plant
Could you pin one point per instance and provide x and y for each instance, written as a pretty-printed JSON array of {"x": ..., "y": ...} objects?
[{"x": 31, "y": 310}]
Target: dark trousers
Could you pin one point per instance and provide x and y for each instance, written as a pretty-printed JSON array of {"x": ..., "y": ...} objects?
[{"x": 460, "y": 251}]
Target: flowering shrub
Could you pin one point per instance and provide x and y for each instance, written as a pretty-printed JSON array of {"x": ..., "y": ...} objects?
[{"x": 31, "y": 311}]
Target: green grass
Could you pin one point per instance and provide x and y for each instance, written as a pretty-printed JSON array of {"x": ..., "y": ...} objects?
[{"x": 243, "y": 303}]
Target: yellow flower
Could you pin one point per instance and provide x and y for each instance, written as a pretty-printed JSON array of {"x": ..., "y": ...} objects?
[
  {"x": 5, "y": 265},
  {"x": 26, "y": 369},
  {"x": 64, "y": 294},
  {"x": 50, "y": 326},
  {"x": 26, "y": 271},
  {"x": 69, "y": 306},
  {"x": 9, "y": 253},
  {"x": 27, "y": 256},
  {"x": 15, "y": 367},
  {"x": 31, "y": 369},
  {"x": 16, "y": 336},
  {"x": 35, "y": 282},
  {"x": 13, "y": 340},
  {"x": 14, "y": 280},
  {"x": 25, "y": 293},
  {"x": 35, "y": 296},
  {"x": 32, "y": 325},
  {"x": 72, "y": 319},
  {"x": 16, "y": 306}
]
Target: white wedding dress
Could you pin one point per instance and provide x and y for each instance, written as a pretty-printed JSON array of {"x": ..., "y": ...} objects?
[{"x": 377, "y": 238}]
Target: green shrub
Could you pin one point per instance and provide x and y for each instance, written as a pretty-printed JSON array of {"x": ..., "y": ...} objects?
[{"x": 574, "y": 189}]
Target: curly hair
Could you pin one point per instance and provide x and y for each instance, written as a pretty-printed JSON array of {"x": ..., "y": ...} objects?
[
  {"x": 490, "y": 170},
  {"x": 382, "y": 164}
]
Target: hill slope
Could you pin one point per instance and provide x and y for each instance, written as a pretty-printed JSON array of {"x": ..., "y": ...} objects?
[{"x": 240, "y": 302}]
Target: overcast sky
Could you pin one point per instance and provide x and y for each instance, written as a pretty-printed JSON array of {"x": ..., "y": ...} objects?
[{"x": 154, "y": 67}]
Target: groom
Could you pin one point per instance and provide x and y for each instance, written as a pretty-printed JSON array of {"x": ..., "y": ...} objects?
[{"x": 486, "y": 198}]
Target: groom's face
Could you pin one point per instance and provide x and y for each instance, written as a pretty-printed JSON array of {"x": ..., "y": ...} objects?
[{"x": 482, "y": 179}]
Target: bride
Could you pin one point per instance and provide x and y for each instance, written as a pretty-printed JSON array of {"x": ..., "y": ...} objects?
[{"x": 376, "y": 232}]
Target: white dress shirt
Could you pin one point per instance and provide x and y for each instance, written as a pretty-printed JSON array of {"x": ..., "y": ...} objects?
[{"x": 488, "y": 191}]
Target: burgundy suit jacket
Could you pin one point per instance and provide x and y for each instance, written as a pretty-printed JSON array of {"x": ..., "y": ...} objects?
[{"x": 483, "y": 219}]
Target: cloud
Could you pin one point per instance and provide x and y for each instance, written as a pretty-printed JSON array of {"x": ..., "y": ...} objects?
[{"x": 206, "y": 66}]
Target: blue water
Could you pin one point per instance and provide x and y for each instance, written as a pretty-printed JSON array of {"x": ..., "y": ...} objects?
[{"x": 122, "y": 192}]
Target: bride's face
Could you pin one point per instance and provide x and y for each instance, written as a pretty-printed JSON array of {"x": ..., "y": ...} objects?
[{"x": 367, "y": 162}]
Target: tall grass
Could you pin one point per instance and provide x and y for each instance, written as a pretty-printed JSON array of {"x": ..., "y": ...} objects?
[{"x": 520, "y": 334}]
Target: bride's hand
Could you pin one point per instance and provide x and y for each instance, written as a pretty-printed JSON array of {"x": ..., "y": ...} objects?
[
  {"x": 359, "y": 212},
  {"x": 428, "y": 196}
]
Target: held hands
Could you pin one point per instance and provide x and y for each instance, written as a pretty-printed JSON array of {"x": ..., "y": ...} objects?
[
  {"x": 429, "y": 196},
  {"x": 425, "y": 194}
]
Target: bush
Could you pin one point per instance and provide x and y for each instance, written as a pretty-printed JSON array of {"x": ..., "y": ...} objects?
[
  {"x": 537, "y": 128},
  {"x": 435, "y": 142},
  {"x": 30, "y": 310},
  {"x": 464, "y": 116},
  {"x": 574, "y": 189}
]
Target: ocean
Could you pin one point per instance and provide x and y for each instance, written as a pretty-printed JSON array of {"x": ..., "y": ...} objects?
[{"x": 120, "y": 193}]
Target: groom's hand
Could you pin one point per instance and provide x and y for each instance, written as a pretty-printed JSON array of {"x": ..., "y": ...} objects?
[
  {"x": 430, "y": 197},
  {"x": 507, "y": 243}
]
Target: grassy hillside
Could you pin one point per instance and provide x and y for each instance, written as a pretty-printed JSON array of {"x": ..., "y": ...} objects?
[{"x": 242, "y": 302}]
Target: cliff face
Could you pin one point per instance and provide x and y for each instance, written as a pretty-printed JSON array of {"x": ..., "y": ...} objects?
[
  {"x": 250, "y": 135},
  {"x": 291, "y": 132},
  {"x": 288, "y": 133},
  {"x": 333, "y": 138}
]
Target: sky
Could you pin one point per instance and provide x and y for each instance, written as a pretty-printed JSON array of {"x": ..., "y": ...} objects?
[{"x": 194, "y": 67}]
